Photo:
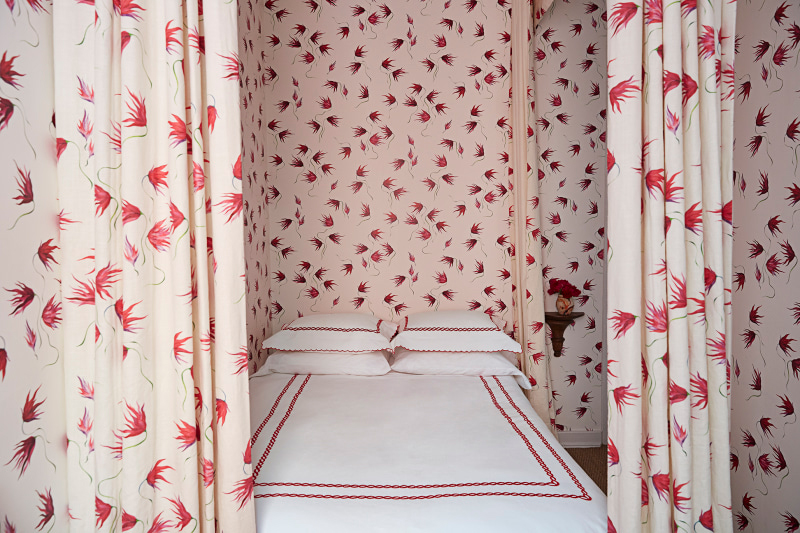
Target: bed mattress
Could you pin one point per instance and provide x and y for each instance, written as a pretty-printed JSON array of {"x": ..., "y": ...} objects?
[{"x": 405, "y": 453}]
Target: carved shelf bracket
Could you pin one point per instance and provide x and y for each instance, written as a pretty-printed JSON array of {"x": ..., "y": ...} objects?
[{"x": 558, "y": 324}]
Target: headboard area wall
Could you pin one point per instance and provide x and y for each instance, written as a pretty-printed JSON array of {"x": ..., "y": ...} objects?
[{"x": 376, "y": 159}]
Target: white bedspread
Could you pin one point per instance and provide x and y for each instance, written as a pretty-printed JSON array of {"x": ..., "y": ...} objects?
[{"x": 406, "y": 453}]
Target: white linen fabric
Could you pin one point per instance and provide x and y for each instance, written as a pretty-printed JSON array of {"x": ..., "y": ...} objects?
[
  {"x": 355, "y": 364},
  {"x": 448, "y": 319},
  {"x": 411, "y": 453},
  {"x": 342, "y": 321},
  {"x": 453, "y": 331},
  {"x": 336, "y": 332},
  {"x": 458, "y": 364}
]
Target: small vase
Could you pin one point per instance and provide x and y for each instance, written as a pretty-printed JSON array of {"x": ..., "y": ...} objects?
[{"x": 564, "y": 305}]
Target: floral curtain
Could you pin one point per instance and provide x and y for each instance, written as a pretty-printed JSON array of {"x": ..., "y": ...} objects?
[
  {"x": 670, "y": 113},
  {"x": 527, "y": 259},
  {"x": 148, "y": 144}
]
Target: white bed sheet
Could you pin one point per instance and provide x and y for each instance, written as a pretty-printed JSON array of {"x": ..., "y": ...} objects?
[{"x": 408, "y": 453}]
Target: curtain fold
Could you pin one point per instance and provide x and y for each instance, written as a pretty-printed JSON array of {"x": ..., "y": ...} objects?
[
  {"x": 670, "y": 148},
  {"x": 527, "y": 275},
  {"x": 149, "y": 176}
]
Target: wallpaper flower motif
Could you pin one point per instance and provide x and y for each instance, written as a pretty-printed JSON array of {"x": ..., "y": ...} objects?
[
  {"x": 376, "y": 163},
  {"x": 32, "y": 452},
  {"x": 569, "y": 123},
  {"x": 380, "y": 151},
  {"x": 253, "y": 100},
  {"x": 766, "y": 301}
]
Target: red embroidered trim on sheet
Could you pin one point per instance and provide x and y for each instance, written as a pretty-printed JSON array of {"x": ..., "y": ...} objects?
[
  {"x": 326, "y": 328},
  {"x": 454, "y": 351},
  {"x": 553, "y": 482},
  {"x": 257, "y": 469},
  {"x": 423, "y": 497},
  {"x": 584, "y": 494},
  {"x": 327, "y": 350},
  {"x": 523, "y": 437},
  {"x": 254, "y": 438},
  {"x": 443, "y": 486},
  {"x": 452, "y": 329},
  {"x": 289, "y": 327}
]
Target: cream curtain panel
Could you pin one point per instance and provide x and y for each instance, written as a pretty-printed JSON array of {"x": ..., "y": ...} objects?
[
  {"x": 147, "y": 120},
  {"x": 527, "y": 274},
  {"x": 670, "y": 145}
]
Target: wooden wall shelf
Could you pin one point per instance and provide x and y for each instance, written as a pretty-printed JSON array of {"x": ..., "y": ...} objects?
[{"x": 558, "y": 323}]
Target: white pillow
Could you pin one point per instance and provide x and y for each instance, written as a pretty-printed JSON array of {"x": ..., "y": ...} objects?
[
  {"x": 457, "y": 364},
  {"x": 354, "y": 364},
  {"x": 453, "y": 331},
  {"x": 338, "y": 332},
  {"x": 511, "y": 357}
]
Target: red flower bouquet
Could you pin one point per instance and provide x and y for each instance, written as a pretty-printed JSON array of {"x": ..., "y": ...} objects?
[{"x": 563, "y": 287}]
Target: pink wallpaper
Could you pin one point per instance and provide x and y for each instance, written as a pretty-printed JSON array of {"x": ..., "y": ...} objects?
[
  {"x": 255, "y": 94},
  {"x": 33, "y": 445},
  {"x": 570, "y": 84},
  {"x": 379, "y": 159},
  {"x": 376, "y": 146},
  {"x": 766, "y": 299}
]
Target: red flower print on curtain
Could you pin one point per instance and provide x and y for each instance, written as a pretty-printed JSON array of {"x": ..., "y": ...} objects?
[
  {"x": 153, "y": 266},
  {"x": 669, "y": 263}
]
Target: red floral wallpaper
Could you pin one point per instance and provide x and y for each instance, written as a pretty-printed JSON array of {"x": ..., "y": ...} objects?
[
  {"x": 376, "y": 151},
  {"x": 766, "y": 299},
  {"x": 254, "y": 97},
  {"x": 376, "y": 154},
  {"x": 570, "y": 87},
  {"x": 32, "y": 440}
]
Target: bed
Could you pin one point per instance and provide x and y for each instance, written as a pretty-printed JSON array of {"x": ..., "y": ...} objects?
[{"x": 402, "y": 452}]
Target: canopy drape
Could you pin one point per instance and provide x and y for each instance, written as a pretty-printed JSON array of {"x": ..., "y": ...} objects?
[
  {"x": 149, "y": 175},
  {"x": 527, "y": 260},
  {"x": 670, "y": 147}
]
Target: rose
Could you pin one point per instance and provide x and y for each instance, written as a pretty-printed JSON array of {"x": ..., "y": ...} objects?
[{"x": 563, "y": 287}]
